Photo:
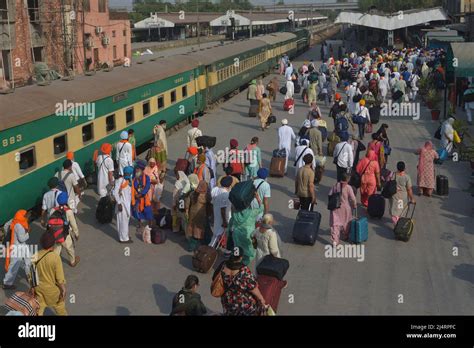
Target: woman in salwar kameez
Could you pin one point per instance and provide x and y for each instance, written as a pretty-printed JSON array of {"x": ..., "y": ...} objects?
[
  {"x": 265, "y": 110},
  {"x": 426, "y": 172},
  {"x": 341, "y": 217},
  {"x": 198, "y": 211},
  {"x": 369, "y": 170}
]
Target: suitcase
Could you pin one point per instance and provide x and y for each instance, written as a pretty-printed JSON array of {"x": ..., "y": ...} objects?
[
  {"x": 288, "y": 104},
  {"x": 204, "y": 258},
  {"x": 158, "y": 236},
  {"x": 277, "y": 166},
  {"x": 306, "y": 227},
  {"x": 273, "y": 266},
  {"x": 442, "y": 185},
  {"x": 270, "y": 288},
  {"x": 207, "y": 141},
  {"x": 374, "y": 113},
  {"x": 253, "y": 111},
  {"x": 359, "y": 231},
  {"x": 182, "y": 165},
  {"x": 376, "y": 207},
  {"x": 105, "y": 210},
  {"x": 404, "y": 227},
  {"x": 279, "y": 153}
]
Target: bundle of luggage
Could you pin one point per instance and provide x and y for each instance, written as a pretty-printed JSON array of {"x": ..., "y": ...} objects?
[{"x": 270, "y": 273}]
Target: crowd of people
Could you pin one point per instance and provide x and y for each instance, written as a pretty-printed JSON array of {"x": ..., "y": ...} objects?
[{"x": 201, "y": 208}]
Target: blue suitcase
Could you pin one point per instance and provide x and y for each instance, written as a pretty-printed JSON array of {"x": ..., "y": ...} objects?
[{"x": 359, "y": 232}]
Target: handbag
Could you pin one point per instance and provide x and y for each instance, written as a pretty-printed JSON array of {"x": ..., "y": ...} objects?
[
  {"x": 356, "y": 178},
  {"x": 387, "y": 149},
  {"x": 23, "y": 302},
  {"x": 334, "y": 200},
  {"x": 217, "y": 285}
]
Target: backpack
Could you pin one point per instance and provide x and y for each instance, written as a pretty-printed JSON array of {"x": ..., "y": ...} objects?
[
  {"x": 242, "y": 194},
  {"x": 62, "y": 182},
  {"x": 58, "y": 225},
  {"x": 324, "y": 132},
  {"x": 342, "y": 124},
  {"x": 389, "y": 188}
]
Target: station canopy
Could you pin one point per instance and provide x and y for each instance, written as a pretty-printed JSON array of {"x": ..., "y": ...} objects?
[
  {"x": 393, "y": 21},
  {"x": 464, "y": 53}
]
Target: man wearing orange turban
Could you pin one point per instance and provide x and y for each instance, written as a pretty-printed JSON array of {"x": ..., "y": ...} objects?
[
  {"x": 17, "y": 252},
  {"x": 105, "y": 170}
]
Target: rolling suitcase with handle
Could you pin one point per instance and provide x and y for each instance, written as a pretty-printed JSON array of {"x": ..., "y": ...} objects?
[
  {"x": 405, "y": 225},
  {"x": 277, "y": 166},
  {"x": 270, "y": 288},
  {"x": 273, "y": 266},
  {"x": 359, "y": 232},
  {"x": 306, "y": 227},
  {"x": 376, "y": 207},
  {"x": 442, "y": 185}
]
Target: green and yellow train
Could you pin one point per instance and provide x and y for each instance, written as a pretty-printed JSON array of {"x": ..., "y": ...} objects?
[{"x": 34, "y": 138}]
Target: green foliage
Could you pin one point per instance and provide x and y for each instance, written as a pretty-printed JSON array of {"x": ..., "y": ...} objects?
[{"x": 398, "y": 5}]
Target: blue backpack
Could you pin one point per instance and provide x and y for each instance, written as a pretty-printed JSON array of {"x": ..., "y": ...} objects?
[{"x": 342, "y": 124}]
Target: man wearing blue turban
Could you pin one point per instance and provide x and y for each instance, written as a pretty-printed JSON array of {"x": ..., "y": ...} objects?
[{"x": 123, "y": 196}]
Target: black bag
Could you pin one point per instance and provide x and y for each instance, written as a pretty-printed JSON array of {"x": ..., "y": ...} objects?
[
  {"x": 389, "y": 188},
  {"x": 334, "y": 200},
  {"x": 442, "y": 185},
  {"x": 437, "y": 134},
  {"x": 271, "y": 119},
  {"x": 206, "y": 141},
  {"x": 374, "y": 113},
  {"x": 376, "y": 207},
  {"x": 283, "y": 90},
  {"x": 279, "y": 153},
  {"x": 356, "y": 178},
  {"x": 158, "y": 236},
  {"x": 273, "y": 266},
  {"x": 164, "y": 219},
  {"x": 306, "y": 227},
  {"x": 357, "y": 98},
  {"x": 105, "y": 210},
  {"x": 405, "y": 225},
  {"x": 297, "y": 89},
  {"x": 242, "y": 194}
]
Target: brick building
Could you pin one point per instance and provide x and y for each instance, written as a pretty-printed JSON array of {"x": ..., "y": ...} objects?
[{"x": 67, "y": 35}]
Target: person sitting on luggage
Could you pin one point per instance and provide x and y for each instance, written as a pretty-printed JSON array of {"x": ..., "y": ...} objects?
[
  {"x": 304, "y": 184},
  {"x": 265, "y": 239},
  {"x": 340, "y": 218},
  {"x": 399, "y": 200},
  {"x": 187, "y": 301},
  {"x": 369, "y": 170},
  {"x": 242, "y": 296}
]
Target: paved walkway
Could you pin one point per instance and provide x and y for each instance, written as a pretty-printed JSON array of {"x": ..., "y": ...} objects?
[{"x": 424, "y": 271}]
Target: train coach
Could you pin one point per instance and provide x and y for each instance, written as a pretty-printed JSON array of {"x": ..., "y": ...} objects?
[{"x": 39, "y": 125}]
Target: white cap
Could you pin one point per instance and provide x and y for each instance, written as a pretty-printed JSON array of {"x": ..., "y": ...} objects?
[{"x": 284, "y": 121}]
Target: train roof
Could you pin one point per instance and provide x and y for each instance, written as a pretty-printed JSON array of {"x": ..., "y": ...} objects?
[
  {"x": 30, "y": 103},
  {"x": 275, "y": 38}
]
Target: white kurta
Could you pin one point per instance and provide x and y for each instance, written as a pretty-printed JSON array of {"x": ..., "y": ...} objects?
[
  {"x": 105, "y": 164},
  {"x": 124, "y": 197},
  {"x": 290, "y": 90},
  {"x": 383, "y": 87},
  {"x": 220, "y": 199},
  {"x": 350, "y": 94},
  {"x": 286, "y": 137},
  {"x": 300, "y": 152},
  {"x": 124, "y": 155}
]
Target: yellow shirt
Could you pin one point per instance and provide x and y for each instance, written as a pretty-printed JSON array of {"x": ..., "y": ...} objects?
[{"x": 50, "y": 274}]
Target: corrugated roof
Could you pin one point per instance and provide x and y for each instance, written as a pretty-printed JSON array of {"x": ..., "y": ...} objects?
[
  {"x": 275, "y": 38},
  {"x": 395, "y": 21}
]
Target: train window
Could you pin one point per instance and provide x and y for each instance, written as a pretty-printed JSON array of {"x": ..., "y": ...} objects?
[
  {"x": 146, "y": 108},
  {"x": 184, "y": 91},
  {"x": 87, "y": 133},
  {"x": 110, "y": 123},
  {"x": 161, "y": 102},
  {"x": 129, "y": 115},
  {"x": 27, "y": 159},
  {"x": 173, "y": 96},
  {"x": 60, "y": 144}
]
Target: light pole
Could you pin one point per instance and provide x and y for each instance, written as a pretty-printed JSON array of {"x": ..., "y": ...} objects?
[{"x": 198, "y": 25}]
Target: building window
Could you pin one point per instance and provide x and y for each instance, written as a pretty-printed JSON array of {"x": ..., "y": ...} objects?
[
  {"x": 161, "y": 102},
  {"x": 113, "y": 33},
  {"x": 115, "y": 52},
  {"x": 125, "y": 50},
  {"x": 3, "y": 10},
  {"x": 60, "y": 144},
  {"x": 102, "y": 6},
  {"x": 173, "y": 96},
  {"x": 184, "y": 91},
  {"x": 110, "y": 123},
  {"x": 86, "y": 4},
  {"x": 33, "y": 10},
  {"x": 87, "y": 133},
  {"x": 146, "y": 108},
  {"x": 125, "y": 32},
  {"x": 129, "y": 115},
  {"x": 38, "y": 54},
  {"x": 27, "y": 159}
]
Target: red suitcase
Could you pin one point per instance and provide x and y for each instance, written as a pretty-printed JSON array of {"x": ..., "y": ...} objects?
[
  {"x": 288, "y": 104},
  {"x": 271, "y": 287}
]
